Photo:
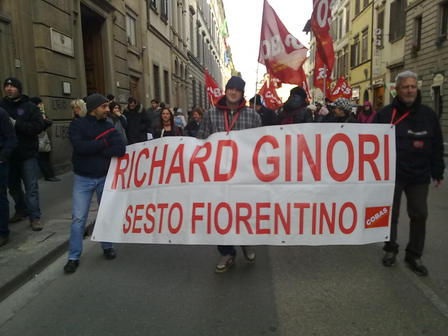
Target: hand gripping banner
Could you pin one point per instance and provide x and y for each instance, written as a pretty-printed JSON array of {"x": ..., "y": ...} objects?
[{"x": 299, "y": 184}]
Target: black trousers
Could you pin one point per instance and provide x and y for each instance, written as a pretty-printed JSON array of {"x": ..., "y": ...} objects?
[
  {"x": 417, "y": 208},
  {"x": 45, "y": 165}
]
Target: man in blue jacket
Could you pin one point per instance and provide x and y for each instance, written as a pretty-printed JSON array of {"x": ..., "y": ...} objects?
[
  {"x": 95, "y": 141},
  {"x": 8, "y": 142}
]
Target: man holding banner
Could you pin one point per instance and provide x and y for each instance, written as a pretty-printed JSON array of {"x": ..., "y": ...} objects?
[
  {"x": 95, "y": 141},
  {"x": 419, "y": 158},
  {"x": 230, "y": 113}
]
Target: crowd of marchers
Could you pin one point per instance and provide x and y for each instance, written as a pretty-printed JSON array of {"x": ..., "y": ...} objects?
[{"x": 101, "y": 129}]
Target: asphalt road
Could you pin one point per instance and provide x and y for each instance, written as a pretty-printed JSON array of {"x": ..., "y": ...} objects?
[{"x": 173, "y": 290}]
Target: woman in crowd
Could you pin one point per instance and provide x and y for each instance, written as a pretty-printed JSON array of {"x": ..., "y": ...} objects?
[
  {"x": 168, "y": 128},
  {"x": 367, "y": 114},
  {"x": 342, "y": 112},
  {"x": 195, "y": 121},
  {"x": 79, "y": 109},
  {"x": 43, "y": 158}
]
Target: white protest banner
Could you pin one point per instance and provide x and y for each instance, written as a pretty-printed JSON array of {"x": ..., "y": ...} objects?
[{"x": 300, "y": 184}]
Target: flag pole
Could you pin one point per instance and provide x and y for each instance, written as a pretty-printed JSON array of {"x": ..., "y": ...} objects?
[
  {"x": 256, "y": 84},
  {"x": 325, "y": 82}
]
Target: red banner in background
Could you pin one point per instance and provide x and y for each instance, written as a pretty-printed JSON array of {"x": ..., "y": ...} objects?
[
  {"x": 324, "y": 43},
  {"x": 341, "y": 90},
  {"x": 213, "y": 90},
  {"x": 270, "y": 97},
  {"x": 281, "y": 53}
]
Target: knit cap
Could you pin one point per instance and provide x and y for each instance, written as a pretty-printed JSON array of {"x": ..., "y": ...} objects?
[
  {"x": 14, "y": 82},
  {"x": 95, "y": 100},
  {"x": 237, "y": 83},
  {"x": 343, "y": 104}
]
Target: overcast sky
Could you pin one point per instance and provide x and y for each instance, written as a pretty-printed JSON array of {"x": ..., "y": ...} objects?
[{"x": 244, "y": 23}]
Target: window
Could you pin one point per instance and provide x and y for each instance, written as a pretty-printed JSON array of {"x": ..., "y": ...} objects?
[
  {"x": 366, "y": 3},
  {"x": 365, "y": 45},
  {"x": 193, "y": 84},
  {"x": 340, "y": 30},
  {"x": 164, "y": 10},
  {"x": 156, "y": 76},
  {"x": 198, "y": 41},
  {"x": 130, "y": 30},
  {"x": 346, "y": 60},
  {"x": 444, "y": 19},
  {"x": 166, "y": 82},
  {"x": 417, "y": 38},
  {"x": 201, "y": 102},
  {"x": 357, "y": 5},
  {"x": 355, "y": 52},
  {"x": 191, "y": 32},
  {"x": 153, "y": 4},
  {"x": 397, "y": 20},
  {"x": 379, "y": 29},
  {"x": 347, "y": 19}
]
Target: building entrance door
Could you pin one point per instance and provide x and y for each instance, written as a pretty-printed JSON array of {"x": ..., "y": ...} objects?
[
  {"x": 378, "y": 98},
  {"x": 6, "y": 54},
  {"x": 92, "y": 25}
]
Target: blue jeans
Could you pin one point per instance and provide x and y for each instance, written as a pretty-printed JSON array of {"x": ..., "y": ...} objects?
[
  {"x": 4, "y": 204},
  {"x": 27, "y": 171},
  {"x": 83, "y": 189}
]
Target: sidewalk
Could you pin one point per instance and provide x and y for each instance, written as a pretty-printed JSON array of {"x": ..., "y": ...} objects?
[{"x": 28, "y": 252}]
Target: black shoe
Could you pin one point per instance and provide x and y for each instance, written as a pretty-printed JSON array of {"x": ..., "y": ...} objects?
[
  {"x": 109, "y": 253},
  {"x": 53, "y": 179},
  {"x": 4, "y": 240},
  {"x": 71, "y": 266},
  {"x": 389, "y": 259},
  {"x": 416, "y": 266}
]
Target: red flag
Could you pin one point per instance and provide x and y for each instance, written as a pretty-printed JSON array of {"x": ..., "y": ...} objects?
[
  {"x": 323, "y": 65},
  {"x": 270, "y": 97},
  {"x": 281, "y": 53},
  {"x": 213, "y": 90},
  {"x": 342, "y": 89}
]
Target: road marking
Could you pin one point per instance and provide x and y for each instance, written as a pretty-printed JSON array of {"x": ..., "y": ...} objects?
[{"x": 435, "y": 299}]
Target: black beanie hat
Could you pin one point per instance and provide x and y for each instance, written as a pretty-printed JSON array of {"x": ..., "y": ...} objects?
[
  {"x": 236, "y": 82},
  {"x": 95, "y": 100},
  {"x": 14, "y": 82},
  {"x": 259, "y": 99},
  {"x": 298, "y": 90}
]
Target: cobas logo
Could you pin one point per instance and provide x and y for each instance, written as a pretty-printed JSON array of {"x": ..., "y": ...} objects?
[{"x": 377, "y": 217}]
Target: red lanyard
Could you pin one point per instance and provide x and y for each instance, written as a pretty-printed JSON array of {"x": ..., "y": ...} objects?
[
  {"x": 226, "y": 120},
  {"x": 394, "y": 113}
]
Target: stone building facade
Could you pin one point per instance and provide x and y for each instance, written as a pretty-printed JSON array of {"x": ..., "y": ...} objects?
[
  {"x": 67, "y": 49},
  {"x": 426, "y": 52}
]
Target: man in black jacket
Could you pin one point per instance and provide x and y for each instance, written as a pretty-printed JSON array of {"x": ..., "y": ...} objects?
[
  {"x": 268, "y": 116},
  {"x": 28, "y": 123},
  {"x": 95, "y": 141},
  {"x": 8, "y": 142},
  {"x": 419, "y": 146}
]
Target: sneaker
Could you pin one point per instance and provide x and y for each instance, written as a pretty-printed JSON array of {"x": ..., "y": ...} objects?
[
  {"x": 4, "y": 240},
  {"x": 416, "y": 266},
  {"x": 17, "y": 218},
  {"x": 71, "y": 266},
  {"x": 389, "y": 259},
  {"x": 109, "y": 253},
  {"x": 249, "y": 253},
  {"x": 36, "y": 225},
  {"x": 225, "y": 263}
]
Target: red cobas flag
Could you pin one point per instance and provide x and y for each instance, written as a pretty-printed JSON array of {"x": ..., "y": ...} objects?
[
  {"x": 270, "y": 97},
  {"x": 324, "y": 43},
  {"x": 341, "y": 90},
  {"x": 281, "y": 53},
  {"x": 213, "y": 90}
]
